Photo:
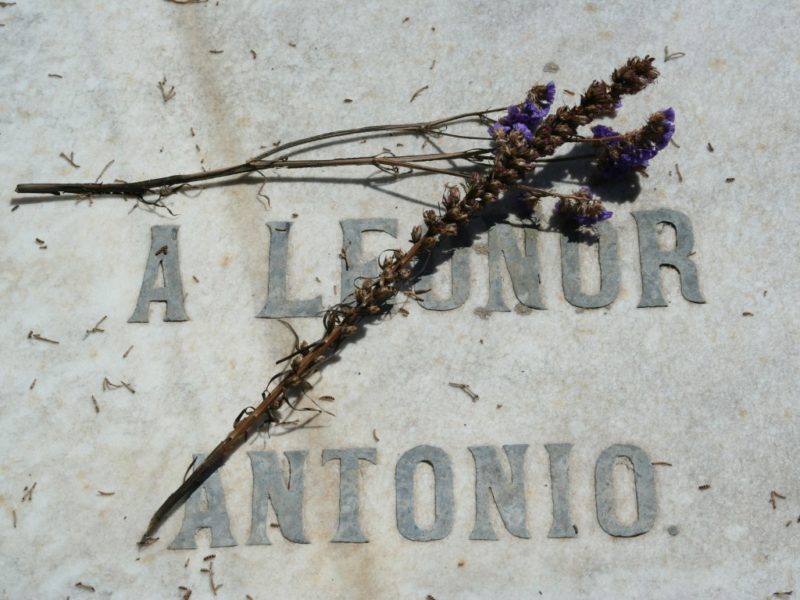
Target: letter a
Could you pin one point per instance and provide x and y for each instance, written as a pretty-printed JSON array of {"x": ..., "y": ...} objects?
[{"x": 163, "y": 255}]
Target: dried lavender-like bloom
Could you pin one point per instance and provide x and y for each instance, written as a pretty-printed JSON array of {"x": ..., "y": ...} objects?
[
  {"x": 582, "y": 209},
  {"x": 526, "y": 117},
  {"x": 633, "y": 151}
]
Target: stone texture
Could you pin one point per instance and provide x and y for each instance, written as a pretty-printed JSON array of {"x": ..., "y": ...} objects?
[{"x": 710, "y": 388}]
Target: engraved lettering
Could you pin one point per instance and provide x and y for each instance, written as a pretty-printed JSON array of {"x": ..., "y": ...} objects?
[
  {"x": 348, "y": 529},
  {"x": 508, "y": 492},
  {"x": 205, "y": 509},
  {"x": 459, "y": 278},
  {"x": 644, "y": 488},
  {"x": 523, "y": 269},
  {"x": 439, "y": 461},
  {"x": 606, "y": 240},
  {"x": 278, "y": 303},
  {"x": 163, "y": 257},
  {"x": 355, "y": 265},
  {"x": 562, "y": 526},
  {"x": 653, "y": 258},
  {"x": 269, "y": 486}
]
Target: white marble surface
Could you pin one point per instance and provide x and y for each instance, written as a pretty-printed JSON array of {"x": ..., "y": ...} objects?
[{"x": 699, "y": 386}]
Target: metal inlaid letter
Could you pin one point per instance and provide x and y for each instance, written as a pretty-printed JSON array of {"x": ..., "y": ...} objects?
[
  {"x": 559, "y": 484},
  {"x": 205, "y": 509},
  {"x": 278, "y": 304},
  {"x": 286, "y": 498},
  {"x": 348, "y": 529},
  {"x": 459, "y": 278},
  {"x": 355, "y": 265},
  {"x": 523, "y": 269},
  {"x": 644, "y": 488},
  {"x": 163, "y": 257},
  {"x": 507, "y": 491},
  {"x": 653, "y": 258},
  {"x": 606, "y": 239},
  {"x": 439, "y": 461}
]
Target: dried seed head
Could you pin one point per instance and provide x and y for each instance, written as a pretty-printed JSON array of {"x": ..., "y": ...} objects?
[
  {"x": 637, "y": 74},
  {"x": 451, "y": 197}
]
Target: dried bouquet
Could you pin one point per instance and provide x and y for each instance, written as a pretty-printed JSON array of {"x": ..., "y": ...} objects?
[{"x": 517, "y": 142}]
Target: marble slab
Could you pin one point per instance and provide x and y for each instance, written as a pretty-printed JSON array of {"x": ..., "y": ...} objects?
[{"x": 611, "y": 452}]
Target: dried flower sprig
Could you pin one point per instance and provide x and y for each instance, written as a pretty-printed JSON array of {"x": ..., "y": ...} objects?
[
  {"x": 522, "y": 138},
  {"x": 583, "y": 209},
  {"x": 623, "y": 154},
  {"x": 526, "y": 117},
  {"x": 514, "y": 155}
]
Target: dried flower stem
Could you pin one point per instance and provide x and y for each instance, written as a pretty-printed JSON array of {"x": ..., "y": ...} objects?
[
  {"x": 164, "y": 186},
  {"x": 514, "y": 159}
]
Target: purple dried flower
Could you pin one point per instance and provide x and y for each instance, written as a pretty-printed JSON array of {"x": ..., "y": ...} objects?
[
  {"x": 603, "y": 215},
  {"x": 526, "y": 117},
  {"x": 633, "y": 151},
  {"x": 526, "y": 133},
  {"x": 582, "y": 209}
]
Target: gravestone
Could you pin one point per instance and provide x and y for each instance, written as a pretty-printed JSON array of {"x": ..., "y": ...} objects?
[{"x": 605, "y": 415}]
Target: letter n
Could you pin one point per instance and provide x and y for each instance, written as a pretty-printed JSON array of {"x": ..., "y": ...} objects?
[{"x": 269, "y": 486}]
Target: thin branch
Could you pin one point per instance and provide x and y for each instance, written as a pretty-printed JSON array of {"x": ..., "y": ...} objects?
[
  {"x": 164, "y": 186},
  {"x": 421, "y": 127}
]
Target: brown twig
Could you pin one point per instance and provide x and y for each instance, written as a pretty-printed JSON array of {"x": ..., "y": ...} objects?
[
  {"x": 466, "y": 389},
  {"x": 164, "y": 186},
  {"x": 170, "y": 184},
  {"x": 167, "y": 94},
  {"x": 70, "y": 159},
  {"x": 96, "y": 328},
  {"x": 32, "y": 335},
  {"x": 85, "y": 586},
  {"x": 108, "y": 164},
  {"x": 773, "y": 496},
  {"x": 418, "y": 92},
  {"x": 668, "y": 56},
  {"x": 27, "y": 495},
  {"x": 210, "y": 571}
]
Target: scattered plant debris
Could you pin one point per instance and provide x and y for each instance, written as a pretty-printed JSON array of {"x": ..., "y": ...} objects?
[
  {"x": 32, "y": 335},
  {"x": 96, "y": 328},
  {"x": 418, "y": 92},
  {"x": 70, "y": 159},
  {"x": 27, "y": 494},
  {"x": 773, "y": 496},
  {"x": 668, "y": 56},
  {"x": 168, "y": 94},
  {"x": 85, "y": 586},
  {"x": 466, "y": 389}
]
